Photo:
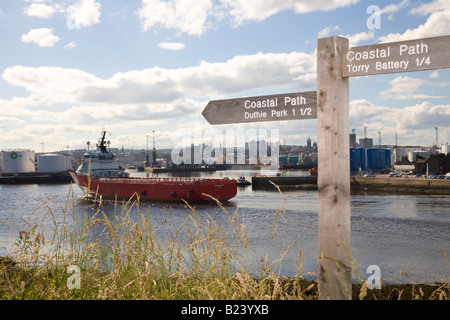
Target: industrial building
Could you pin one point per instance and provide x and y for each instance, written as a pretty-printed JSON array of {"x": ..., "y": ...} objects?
[{"x": 363, "y": 159}]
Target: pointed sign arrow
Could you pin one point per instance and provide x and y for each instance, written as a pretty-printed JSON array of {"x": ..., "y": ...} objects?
[{"x": 277, "y": 107}]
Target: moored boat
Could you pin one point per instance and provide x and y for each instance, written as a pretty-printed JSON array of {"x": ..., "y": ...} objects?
[
  {"x": 101, "y": 175},
  {"x": 242, "y": 181}
]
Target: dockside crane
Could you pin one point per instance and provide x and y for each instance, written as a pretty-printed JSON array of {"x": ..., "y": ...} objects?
[
  {"x": 154, "y": 164},
  {"x": 147, "y": 156}
]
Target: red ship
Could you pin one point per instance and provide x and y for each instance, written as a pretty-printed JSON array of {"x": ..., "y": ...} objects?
[{"x": 101, "y": 175}]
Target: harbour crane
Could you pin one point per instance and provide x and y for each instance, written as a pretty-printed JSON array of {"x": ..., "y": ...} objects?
[
  {"x": 154, "y": 164},
  {"x": 147, "y": 156}
]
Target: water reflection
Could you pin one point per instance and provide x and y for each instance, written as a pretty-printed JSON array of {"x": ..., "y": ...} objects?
[{"x": 396, "y": 232}]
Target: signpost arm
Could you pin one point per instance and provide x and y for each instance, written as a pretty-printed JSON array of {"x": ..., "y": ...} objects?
[{"x": 334, "y": 170}]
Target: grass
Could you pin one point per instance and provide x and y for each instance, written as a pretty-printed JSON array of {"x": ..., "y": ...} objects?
[{"x": 128, "y": 256}]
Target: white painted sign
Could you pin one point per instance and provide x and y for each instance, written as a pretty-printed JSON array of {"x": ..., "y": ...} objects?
[
  {"x": 402, "y": 56},
  {"x": 278, "y": 107}
]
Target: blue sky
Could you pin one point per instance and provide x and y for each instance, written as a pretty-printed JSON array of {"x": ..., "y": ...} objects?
[{"x": 69, "y": 69}]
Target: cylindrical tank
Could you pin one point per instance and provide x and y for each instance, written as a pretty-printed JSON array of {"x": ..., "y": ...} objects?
[
  {"x": 371, "y": 158},
  {"x": 53, "y": 163},
  {"x": 445, "y": 148},
  {"x": 387, "y": 157},
  {"x": 361, "y": 156},
  {"x": 18, "y": 161},
  {"x": 353, "y": 160}
]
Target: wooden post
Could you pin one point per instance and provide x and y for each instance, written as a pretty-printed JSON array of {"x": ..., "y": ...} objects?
[{"x": 334, "y": 170}]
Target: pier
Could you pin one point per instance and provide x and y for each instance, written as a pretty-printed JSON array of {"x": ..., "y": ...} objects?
[
  {"x": 35, "y": 178},
  {"x": 380, "y": 184},
  {"x": 306, "y": 182}
]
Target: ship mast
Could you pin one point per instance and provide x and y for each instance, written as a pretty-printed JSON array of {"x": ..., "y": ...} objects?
[{"x": 102, "y": 143}]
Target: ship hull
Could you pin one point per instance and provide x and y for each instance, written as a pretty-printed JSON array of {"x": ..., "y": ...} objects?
[{"x": 158, "y": 189}]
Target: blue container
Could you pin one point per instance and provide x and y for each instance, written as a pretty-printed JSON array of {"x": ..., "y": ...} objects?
[
  {"x": 387, "y": 157},
  {"x": 353, "y": 160},
  {"x": 361, "y": 156},
  {"x": 371, "y": 158}
]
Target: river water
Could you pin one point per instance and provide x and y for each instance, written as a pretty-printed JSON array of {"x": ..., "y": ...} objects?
[{"x": 406, "y": 236}]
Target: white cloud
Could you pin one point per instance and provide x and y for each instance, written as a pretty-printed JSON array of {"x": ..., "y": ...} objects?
[
  {"x": 362, "y": 36},
  {"x": 171, "y": 45},
  {"x": 40, "y": 10},
  {"x": 249, "y": 72},
  {"x": 59, "y": 99},
  {"x": 257, "y": 10},
  {"x": 49, "y": 85},
  {"x": 404, "y": 87},
  {"x": 10, "y": 120},
  {"x": 70, "y": 45},
  {"x": 80, "y": 13},
  {"x": 43, "y": 37},
  {"x": 364, "y": 112},
  {"x": 430, "y": 7},
  {"x": 52, "y": 85},
  {"x": 414, "y": 123},
  {"x": 437, "y": 24},
  {"x": 84, "y": 13},
  {"x": 434, "y": 74},
  {"x": 353, "y": 39},
  {"x": 186, "y": 16},
  {"x": 192, "y": 16},
  {"x": 325, "y": 32},
  {"x": 424, "y": 116},
  {"x": 393, "y": 8}
]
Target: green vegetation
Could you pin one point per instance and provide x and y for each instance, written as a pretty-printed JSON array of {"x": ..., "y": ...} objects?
[{"x": 127, "y": 256}]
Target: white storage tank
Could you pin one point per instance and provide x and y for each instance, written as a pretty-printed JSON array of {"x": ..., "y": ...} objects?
[
  {"x": 445, "y": 148},
  {"x": 18, "y": 161},
  {"x": 412, "y": 155},
  {"x": 53, "y": 163}
]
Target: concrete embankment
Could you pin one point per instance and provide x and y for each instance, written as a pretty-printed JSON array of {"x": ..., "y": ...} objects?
[
  {"x": 36, "y": 178},
  {"x": 402, "y": 185},
  {"x": 307, "y": 182},
  {"x": 380, "y": 184}
]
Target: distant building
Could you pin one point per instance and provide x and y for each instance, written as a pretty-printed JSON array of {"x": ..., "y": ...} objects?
[
  {"x": 353, "y": 143},
  {"x": 444, "y": 162},
  {"x": 366, "y": 143},
  {"x": 431, "y": 163}
]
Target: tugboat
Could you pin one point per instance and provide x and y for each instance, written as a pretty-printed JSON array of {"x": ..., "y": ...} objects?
[{"x": 101, "y": 175}]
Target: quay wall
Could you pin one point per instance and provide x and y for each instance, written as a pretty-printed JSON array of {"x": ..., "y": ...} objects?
[
  {"x": 401, "y": 185},
  {"x": 380, "y": 184}
]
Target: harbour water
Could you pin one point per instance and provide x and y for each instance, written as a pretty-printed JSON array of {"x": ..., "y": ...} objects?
[{"x": 406, "y": 236}]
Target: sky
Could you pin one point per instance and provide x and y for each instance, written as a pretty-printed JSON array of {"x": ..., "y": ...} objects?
[{"x": 70, "y": 69}]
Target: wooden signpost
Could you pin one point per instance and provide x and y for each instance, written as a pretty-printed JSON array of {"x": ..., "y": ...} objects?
[
  {"x": 336, "y": 62},
  {"x": 403, "y": 56},
  {"x": 277, "y": 107},
  {"x": 333, "y": 179}
]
